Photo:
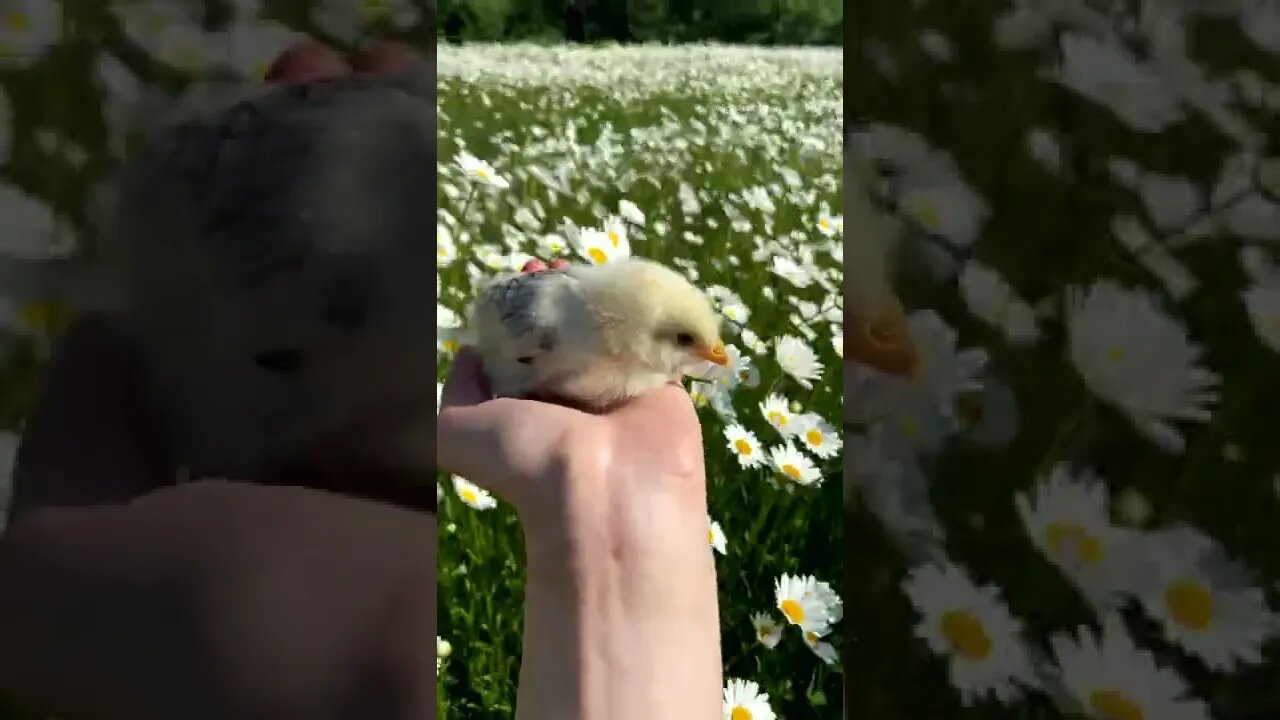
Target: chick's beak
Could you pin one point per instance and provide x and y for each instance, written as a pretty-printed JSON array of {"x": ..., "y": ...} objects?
[
  {"x": 714, "y": 354},
  {"x": 884, "y": 343}
]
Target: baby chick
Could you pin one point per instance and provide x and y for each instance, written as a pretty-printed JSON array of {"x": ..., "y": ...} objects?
[
  {"x": 593, "y": 335},
  {"x": 878, "y": 336}
]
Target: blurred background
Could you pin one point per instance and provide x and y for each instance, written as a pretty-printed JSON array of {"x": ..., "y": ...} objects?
[{"x": 1071, "y": 512}]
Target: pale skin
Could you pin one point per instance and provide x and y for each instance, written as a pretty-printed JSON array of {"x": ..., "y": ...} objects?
[{"x": 621, "y": 587}]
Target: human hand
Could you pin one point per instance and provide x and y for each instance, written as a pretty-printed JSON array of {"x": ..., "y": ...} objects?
[
  {"x": 621, "y": 585},
  {"x": 125, "y": 595}
]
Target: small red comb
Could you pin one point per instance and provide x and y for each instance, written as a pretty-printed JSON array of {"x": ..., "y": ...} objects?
[
  {"x": 385, "y": 57},
  {"x": 307, "y": 61}
]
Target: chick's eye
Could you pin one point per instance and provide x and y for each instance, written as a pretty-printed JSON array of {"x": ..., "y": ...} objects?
[{"x": 684, "y": 339}]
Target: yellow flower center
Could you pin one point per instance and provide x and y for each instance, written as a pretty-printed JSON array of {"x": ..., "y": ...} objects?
[
  {"x": 469, "y": 496},
  {"x": 742, "y": 446},
  {"x": 376, "y": 7},
  {"x": 740, "y": 713},
  {"x": 450, "y": 345},
  {"x": 711, "y": 536},
  {"x": 927, "y": 213},
  {"x": 763, "y": 631},
  {"x": 791, "y": 471},
  {"x": 16, "y": 20},
  {"x": 614, "y": 237},
  {"x": 1113, "y": 705},
  {"x": 777, "y": 418},
  {"x": 744, "y": 374},
  {"x": 910, "y": 428},
  {"x": 480, "y": 172},
  {"x": 597, "y": 256},
  {"x": 48, "y": 316},
  {"x": 966, "y": 635},
  {"x": 814, "y": 437},
  {"x": 793, "y": 611},
  {"x": 824, "y": 223},
  {"x": 1070, "y": 537},
  {"x": 1190, "y": 604}
]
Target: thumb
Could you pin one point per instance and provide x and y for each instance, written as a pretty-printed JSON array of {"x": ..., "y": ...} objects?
[
  {"x": 497, "y": 443},
  {"x": 468, "y": 428}
]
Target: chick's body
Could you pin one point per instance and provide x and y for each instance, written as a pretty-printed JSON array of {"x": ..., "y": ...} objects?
[{"x": 593, "y": 335}]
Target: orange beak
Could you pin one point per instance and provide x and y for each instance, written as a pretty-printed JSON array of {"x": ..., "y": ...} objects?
[
  {"x": 714, "y": 354},
  {"x": 885, "y": 344}
]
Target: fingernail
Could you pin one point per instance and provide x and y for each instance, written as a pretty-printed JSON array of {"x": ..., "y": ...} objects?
[
  {"x": 385, "y": 57},
  {"x": 534, "y": 265},
  {"x": 307, "y": 61},
  {"x": 559, "y": 264}
]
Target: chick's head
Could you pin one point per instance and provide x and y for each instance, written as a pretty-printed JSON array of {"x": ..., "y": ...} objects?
[{"x": 653, "y": 314}]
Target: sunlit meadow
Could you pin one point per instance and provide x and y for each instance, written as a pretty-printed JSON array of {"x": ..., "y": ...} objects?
[{"x": 726, "y": 164}]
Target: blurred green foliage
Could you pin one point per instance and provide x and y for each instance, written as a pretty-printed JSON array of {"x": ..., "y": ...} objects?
[{"x": 766, "y": 22}]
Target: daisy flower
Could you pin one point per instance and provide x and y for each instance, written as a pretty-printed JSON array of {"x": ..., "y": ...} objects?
[
  {"x": 443, "y": 651},
  {"x": 994, "y": 302},
  {"x": 972, "y": 628},
  {"x": 1068, "y": 519},
  {"x": 596, "y": 246},
  {"x": 1136, "y": 357},
  {"x": 479, "y": 171},
  {"x": 446, "y": 248},
  {"x": 795, "y": 596},
  {"x": 743, "y": 700},
  {"x": 1108, "y": 678},
  {"x": 715, "y": 536},
  {"x": 1205, "y": 602},
  {"x": 32, "y": 229},
  {"x": 27, "y": 29},
  {"x": 823, "y": 649},
  {"x": 631, "y": 212},
  {"x": 768, "y": 630},
  {"x": 798, "y": 360},
  {"x": 746, "y": 448},
  {"x": 615, "y": 230},
  {"x": 1262, "y": 303},
  {"x": 473, "y": 495},
  {"x": 795, "y": 466},
  {"x": 818, "y": 436},
  {"x": 777, "y": 411}
]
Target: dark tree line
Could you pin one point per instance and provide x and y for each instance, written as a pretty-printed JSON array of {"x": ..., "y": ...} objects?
[{"x": 770, "y": 22}]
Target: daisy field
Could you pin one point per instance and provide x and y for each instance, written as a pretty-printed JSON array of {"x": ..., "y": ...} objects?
[{"x": 723, "y": 162}]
